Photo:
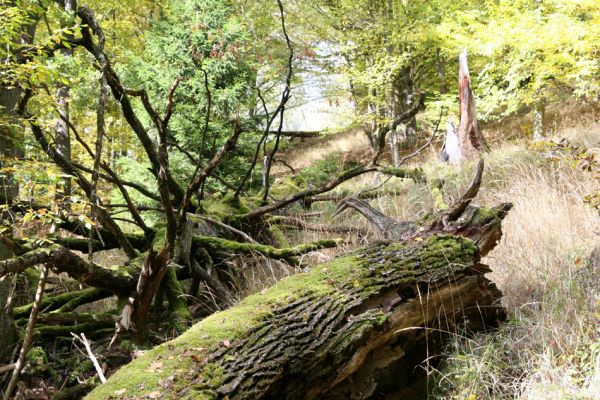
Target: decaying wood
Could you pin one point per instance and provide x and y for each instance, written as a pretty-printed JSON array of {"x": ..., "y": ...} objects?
[
  {"x": 469, "y": 135},
  {"x": 466, "y": 141},
  {"x": 451, "y": 152},
  {"x": 353, "y": 328}
]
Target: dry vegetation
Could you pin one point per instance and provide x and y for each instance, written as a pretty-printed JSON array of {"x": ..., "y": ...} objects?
[{"x": 550, "y": 348}]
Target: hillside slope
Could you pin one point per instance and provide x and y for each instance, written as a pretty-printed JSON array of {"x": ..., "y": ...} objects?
[{"x": 551, "y": 348}]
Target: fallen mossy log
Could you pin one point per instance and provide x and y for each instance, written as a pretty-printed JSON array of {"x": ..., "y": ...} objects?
[
  {"x": 71, "y": 318},
  {"x": 63, "y": 302},
  {"x": 215, "y": 245},
  {"x": 350, "y": 328}
]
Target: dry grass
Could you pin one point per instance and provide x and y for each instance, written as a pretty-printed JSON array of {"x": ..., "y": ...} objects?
[
  {"x": 550, "y": 348},
  {"x": 305, "y": 154}
]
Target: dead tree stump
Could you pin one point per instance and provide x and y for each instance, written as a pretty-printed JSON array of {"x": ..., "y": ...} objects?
[{"x": 466, "y": 141}]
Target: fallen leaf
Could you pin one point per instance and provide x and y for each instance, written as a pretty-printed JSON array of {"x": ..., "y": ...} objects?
[
  {"x": 119, "y": 392},
  {"x": 197, "y": 358},
  {"x": 155, "y": 367},
  {"x": 153, "y": 395}
]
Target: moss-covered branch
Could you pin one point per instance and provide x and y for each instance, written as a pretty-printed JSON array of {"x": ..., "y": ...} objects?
[
  {"x": 64, "y": 302},
  {"x": 116, "y": 280},
  {"x": 214, "y": 244},
  {"x": 72, "y": 318}
]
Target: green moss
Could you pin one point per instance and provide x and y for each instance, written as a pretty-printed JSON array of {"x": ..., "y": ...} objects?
[
  {"x": 37, "y": 359},
  {"x": 415, "y": 174},
  {"x": 483, "y": 216},
  {"x": 59, "y": 301},
  {"x": 126, "y": 345},
  {"x": 217, "y": 244},
  {"x": 284, "y": 187},
  {"x": 278, "y": 236},
  {"x": 178, "y": 309},
  {"x": 228, "y": 206},
  {"x": 160, "y": 239}
]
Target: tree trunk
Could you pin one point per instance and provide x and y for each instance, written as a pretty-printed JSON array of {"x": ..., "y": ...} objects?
[
  {"x": 402, "y": 101},
  {"x": 395, "y": 138},
  {"x": 9, "y": 190},
  {"x": 7, "y": 325},
  {"x": 63, "y": 144},
  {"x": 441, "y": 71},
  {"x": 539, "y": 112},
  {"x": 62, "y": 136},
  {"x": 357, "y": 327},
  {"x": 466, "y": 141},
  {"x": 469, "y": 135}
]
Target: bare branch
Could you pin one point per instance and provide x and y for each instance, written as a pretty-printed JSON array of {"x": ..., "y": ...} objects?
[
  {"x": 121, "y": 94},
  {"x": 461, "y": 204},
  {"x": 363, "y": 169},
  {"x": 12, "y": 384},
  {"x": 208, "y": 169},
  {"x": 68, "y": 168},
  {"x": 429, "y": 142},
  {"x": 223, "y": 225},
  {"x": 170, "y": 103}
]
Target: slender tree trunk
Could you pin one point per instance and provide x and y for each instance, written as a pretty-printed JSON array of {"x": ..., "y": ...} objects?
[
  {"x": 395, "y": 138},
  {"x": 9, "y": 190},
  {"x": 469, "y": 135},
  {"x": 62, "y": 134},
  {"x": 402, "y": 101},
  {"x": 539, "y": 112},
  {"x": 441, "y": 72},
  {"x": 28, "y": 339}
]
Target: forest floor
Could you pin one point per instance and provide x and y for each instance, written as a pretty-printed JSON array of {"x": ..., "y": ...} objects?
[{"x": 550, "y": 348}]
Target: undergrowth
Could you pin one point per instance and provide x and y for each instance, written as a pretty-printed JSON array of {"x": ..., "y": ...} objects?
[{"x": 550, "y": 346}]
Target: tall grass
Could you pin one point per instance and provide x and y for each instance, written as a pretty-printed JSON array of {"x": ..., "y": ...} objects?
[{"x": 550, "y": 347}]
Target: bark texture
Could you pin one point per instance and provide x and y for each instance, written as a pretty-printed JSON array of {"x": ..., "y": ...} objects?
[
  {"x": 466, "y": 141},
  {"x": 356, "y": 327}
]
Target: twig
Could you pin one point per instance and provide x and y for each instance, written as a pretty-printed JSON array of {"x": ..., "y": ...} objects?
[
  {"x": 6, "y": 368},
  {"x": 227, "y": 227},
  {"x": 91, "y": 355},
  {"x": 433, "y": 135},
  {"x": 39, "y": 293}
]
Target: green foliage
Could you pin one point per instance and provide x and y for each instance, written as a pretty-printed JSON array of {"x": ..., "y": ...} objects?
[
  {"x": 529, "y": 52},
  {"x": 579, "y": 158},
  {"x": 323, "y": 170}
]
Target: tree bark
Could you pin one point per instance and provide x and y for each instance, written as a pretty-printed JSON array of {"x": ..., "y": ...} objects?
[
  {"x": 9, "y": 189},
  {"x": 62, "y": 134},
  {"x": 441, "y": 71},
  {"x": 469, "y": 136},
  {"x": 356, "y": 327},
  {"x": 539, "y": 112},
  {"x": 7, "y": 325}
]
